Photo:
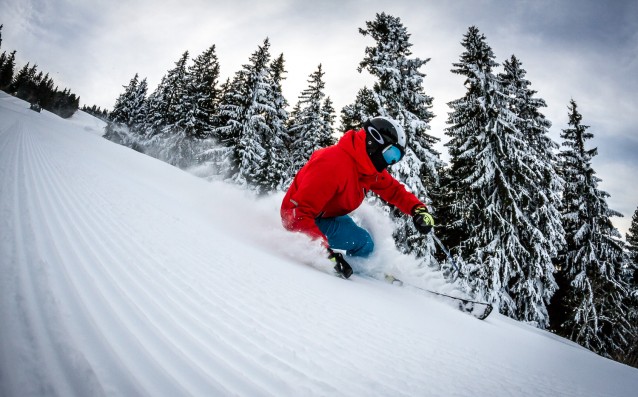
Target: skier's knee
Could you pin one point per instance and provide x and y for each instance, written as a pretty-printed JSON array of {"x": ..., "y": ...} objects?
[{"x": 365, "y": 249}]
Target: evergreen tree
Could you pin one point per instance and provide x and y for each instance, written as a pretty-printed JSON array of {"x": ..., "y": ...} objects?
[
  {"x": 544, "y": 240},
  {"x": 165, "y": 107},
  {"x": 7, "y": 71},
  {"x": 96, "y": 111},
  {"x": 276, "y": 162},
  {"x": 632, "y": 241},
  {"x": 21, "y": 79},
  {"x": 138, "y": 108},
  {"x": 170, "y": 142},
  {"x": 590, "y": 266},
  {"x": 310, "y": 128},
  {"x": 126, "y": 124},
  {"x": 531, "y": 122},
  {"x": 64, "y": 103},
  {"x": 45, "y": 91},
  {"x": 117, "y": 126},
  {"x": 492, "y": 222},
  {"x": 28, "y": 91},
  {"x": 123, "y": 109},
  {"x": 3, "y": 59},
  {"x": 202, "y": 94},
  {"x": 631, "y": 278},
  {"x": 156, "y": 111},
  {"x": 230, "y": 125},
  {"x": 175, "y": 94},
  {"x": 364, "y": 107},
  {"x": 398, "y": 93},
  {"x": 24, "y": 84},
  {"x": 328, "y": 112},
  {"x": 243, "y": 121}
]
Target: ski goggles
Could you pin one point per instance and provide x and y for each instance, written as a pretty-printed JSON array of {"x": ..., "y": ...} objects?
[{"x": 392, "y": 154}]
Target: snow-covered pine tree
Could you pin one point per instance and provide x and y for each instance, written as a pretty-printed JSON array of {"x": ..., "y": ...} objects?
[
  {"x": 157, "y": 109},
  {"x": 165, "y": 104},
  {"x": 175, "y": 96},
  {"x": 167, "y": 117},
  {"x": 184, "y": 142},
  {"x": 364, "y": 107},
  {"x": 398, "y": 93},
  {"x": 289, "y": 123},
  {"x": 201, "y": 94},
  {"x": 328, "y": 112},
  {"x": 138, "y": 107},
  {"x": 590, "y": 266},
  {"x": 275, "y": 165},
  {"x": 121, "y": 109},
  {"x": 544, "y": 240},
  {"x": 309, "y": 128},
  {"x": 631, "y": 277},
  {"x": 230, "y": 124},
  {"x": 128, "y": 115},
  {"x": 243, "y": 123},
  {"x": 632, "y": 242},
  {"x": 489, "y": 193},
  {"x": 531, "y": 122}
]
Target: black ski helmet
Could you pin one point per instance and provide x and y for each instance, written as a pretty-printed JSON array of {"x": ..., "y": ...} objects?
[{"x": 383, "y": 133}]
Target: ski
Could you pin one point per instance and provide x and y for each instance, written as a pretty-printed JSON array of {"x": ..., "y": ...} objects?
[
  {"x": 479, "y": 310},
  {"x": 393, "y": 280}
]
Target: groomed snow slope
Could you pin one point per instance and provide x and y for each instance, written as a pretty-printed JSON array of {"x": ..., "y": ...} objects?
[{"x": 121, "y": 275}]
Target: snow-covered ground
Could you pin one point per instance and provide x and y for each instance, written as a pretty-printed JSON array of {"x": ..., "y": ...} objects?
[{"x": 121, "y": 275}]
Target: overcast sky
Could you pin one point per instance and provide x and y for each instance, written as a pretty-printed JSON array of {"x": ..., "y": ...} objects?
[{"x": 581, "y": 49}]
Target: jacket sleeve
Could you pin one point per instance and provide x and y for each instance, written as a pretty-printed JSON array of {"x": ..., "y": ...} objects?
[
  {"x": 312, "y": 194},
  {"x": 393, "y": 192}
]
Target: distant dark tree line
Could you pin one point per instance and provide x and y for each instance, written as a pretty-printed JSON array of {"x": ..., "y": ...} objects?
[
  {"x": 34, "y": 86},
  {"x": 96, "y": 111},
  {"x": 523, "y": 215}
]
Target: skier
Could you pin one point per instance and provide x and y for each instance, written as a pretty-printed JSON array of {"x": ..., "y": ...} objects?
[{"x": 334, "y": 182}]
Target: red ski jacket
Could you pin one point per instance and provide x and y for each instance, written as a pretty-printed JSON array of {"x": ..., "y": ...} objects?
[{"x": 334, "y": 182}]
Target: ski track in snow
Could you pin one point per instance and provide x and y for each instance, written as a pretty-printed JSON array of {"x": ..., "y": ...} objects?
[{"x": 121, "y": 275}]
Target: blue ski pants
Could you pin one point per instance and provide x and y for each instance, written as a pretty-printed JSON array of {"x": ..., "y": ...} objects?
[{"x": 344, "y": 234}]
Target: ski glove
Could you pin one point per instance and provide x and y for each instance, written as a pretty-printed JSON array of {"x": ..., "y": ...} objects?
[
  {"x": 423, "y": 222},
  {"x": 341, "y": 266}
]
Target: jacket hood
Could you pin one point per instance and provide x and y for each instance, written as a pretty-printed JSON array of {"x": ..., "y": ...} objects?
[{"x": 354, "y": 143}]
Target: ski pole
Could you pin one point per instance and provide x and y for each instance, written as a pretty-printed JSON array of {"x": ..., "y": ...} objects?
[
  {"x": 449, "y": 256},
  {"x": 466, "y": 305}
]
